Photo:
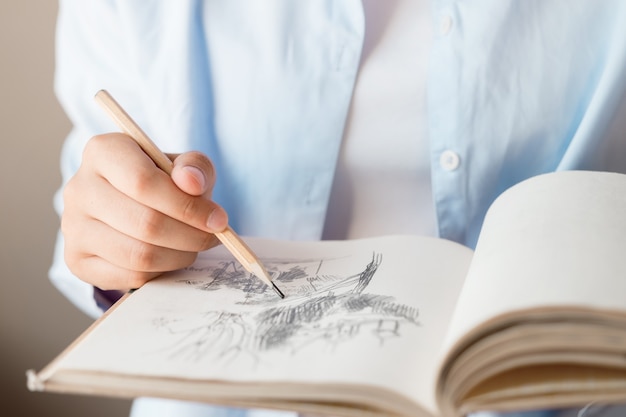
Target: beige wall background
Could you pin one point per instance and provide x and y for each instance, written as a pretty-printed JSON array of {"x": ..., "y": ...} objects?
[{"x": 36, "y": 322}]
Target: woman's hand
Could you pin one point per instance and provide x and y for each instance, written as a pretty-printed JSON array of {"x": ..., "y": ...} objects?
[{"x": 125, "y": 221}]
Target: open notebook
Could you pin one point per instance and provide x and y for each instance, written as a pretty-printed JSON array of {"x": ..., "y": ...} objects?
[{"x": 388, "y": 326}]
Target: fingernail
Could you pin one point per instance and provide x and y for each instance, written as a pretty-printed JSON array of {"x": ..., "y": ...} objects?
[
  {"x": 197, "y": 174},
  {"x": 218, "y": 220}
]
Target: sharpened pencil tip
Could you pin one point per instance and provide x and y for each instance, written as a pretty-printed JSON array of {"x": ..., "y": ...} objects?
[{"x": 278, "y": 291}]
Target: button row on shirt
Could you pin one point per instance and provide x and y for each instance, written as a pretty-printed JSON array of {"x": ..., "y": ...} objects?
[{"x": 449, "y": 160}]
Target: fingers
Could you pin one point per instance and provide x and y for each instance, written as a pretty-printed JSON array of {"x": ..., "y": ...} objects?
[
  {"x": 124, "y": 262},
  {"x": 110, "y": 206},
  {"x": 125, "y": 221},
  {"x": 135, "y": 175}
]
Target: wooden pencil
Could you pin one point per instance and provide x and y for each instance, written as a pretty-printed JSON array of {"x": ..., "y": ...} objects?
[{"x": 235, "y": 245}]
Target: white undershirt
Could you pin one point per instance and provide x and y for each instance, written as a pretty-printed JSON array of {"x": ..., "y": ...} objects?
[{"x": 382, "y": 184}]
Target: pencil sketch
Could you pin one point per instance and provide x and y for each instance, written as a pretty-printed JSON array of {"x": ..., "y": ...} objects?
[{"x": 321, "y": 309}]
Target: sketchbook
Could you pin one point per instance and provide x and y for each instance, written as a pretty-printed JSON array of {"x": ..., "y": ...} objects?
[{"x": 408, "y": 326}]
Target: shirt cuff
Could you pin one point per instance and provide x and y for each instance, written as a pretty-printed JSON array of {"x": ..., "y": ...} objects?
[{"x": 106, "y": 298}]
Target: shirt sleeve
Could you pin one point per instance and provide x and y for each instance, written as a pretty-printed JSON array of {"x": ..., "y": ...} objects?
[{"x": 90, "y": 55}]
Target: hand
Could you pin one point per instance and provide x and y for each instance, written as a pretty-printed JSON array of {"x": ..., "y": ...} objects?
[{"x": 125, "y": 221}]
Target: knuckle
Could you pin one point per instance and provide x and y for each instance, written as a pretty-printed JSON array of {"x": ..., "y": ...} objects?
[
  {"x": 76, "y": 261},
  {"x": 65, "y": 226},
  {"x": 141, "y": 183},
  {"x": 69, "y": 191},
  {"x": 150, "y": 224},
  {"x": 94, "y": 147},
  {"x": 142, "y": 256},
  {"x": 71, "y": 227},
  {"x": 75, "y": 192}
]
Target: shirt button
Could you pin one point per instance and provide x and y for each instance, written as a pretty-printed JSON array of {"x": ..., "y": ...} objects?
[
  {"x": 449, "y": 160},
  {"x": 445, "y": 25}
]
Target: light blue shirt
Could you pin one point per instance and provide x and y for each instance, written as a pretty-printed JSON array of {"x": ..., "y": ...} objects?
[{"x": 516, "y": 89}]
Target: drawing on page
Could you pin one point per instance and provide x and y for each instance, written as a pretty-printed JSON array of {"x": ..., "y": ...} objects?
[{"x": 322, "y": 309}]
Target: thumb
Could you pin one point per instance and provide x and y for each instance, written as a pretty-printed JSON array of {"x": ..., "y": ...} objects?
[{"x": 194, "y": 174}]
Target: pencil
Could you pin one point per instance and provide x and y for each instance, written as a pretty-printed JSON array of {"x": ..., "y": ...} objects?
[{"x": 228, "y": 237}]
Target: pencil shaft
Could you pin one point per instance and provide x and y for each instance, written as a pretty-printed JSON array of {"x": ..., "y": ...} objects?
[
  {"x": 132, "y": 129},
  {"x": 235, "y": 245}
]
